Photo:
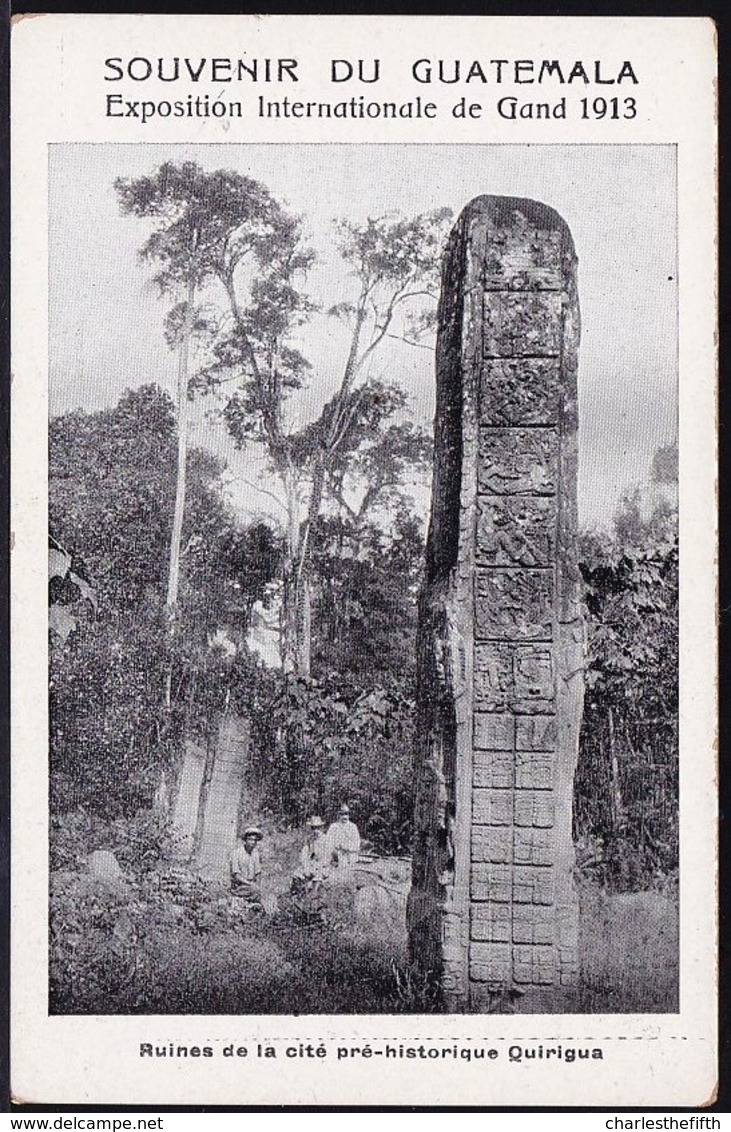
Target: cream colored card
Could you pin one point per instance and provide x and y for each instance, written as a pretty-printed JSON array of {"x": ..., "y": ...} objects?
[{"x": 238, "y": 648}]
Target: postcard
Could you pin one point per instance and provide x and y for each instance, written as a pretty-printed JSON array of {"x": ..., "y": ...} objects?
[{"x": 363, "y": 569}]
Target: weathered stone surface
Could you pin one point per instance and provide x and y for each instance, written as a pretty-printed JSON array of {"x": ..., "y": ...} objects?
[
  {"x": 533, "y": 924},
  {"x": 494, "y": 732},
  {"x": 517, "y": 884},
  {"x": 104, "y": 866},
  {"x": 517, "y": 679},
  {"x": 514, "y": 605},
  {"x": 522, "y": 324},
  {"x": 491, "y": 921},
  {"x": 534, "y": 770},
  {"x": 221, "y": 806},
  {"x": 492, "y": 882},
  {"x": 492, "y": 913},
  {"x": 534, "y": 965},
  {"x": 515, "y": 532},
  {"x": 533, "y": 846},
  {"x": 493, "y": 845},
  {"x": 522, "y": 392},
  {"x": 535, "y": 733},
  {"x": 520, "y": 259},
  {"x": 518, "y": 461},
  {"x": 187, "y": 801},
  {"x": 380, "y": 909},
  {"x": 492, "y": 807},
  {"x": 532, "y": 885},
  {"x": 493, "y": 768},
  {"x": 534, "y": 808},
  {"x": 491, "y": 963}
]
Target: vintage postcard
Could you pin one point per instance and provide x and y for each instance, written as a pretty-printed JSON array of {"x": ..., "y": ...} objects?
[{"x": 363, "y": 642}]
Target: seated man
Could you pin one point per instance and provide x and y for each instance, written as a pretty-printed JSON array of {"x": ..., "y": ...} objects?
[
  {"x": 312, "y": 871},
  {"x": 343, "y": 843},
  {"x": 246, "y": 866}
]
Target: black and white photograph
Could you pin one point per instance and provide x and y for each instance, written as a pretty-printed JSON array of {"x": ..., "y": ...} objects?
[
  {"x": 363, "y": 594},
  {"x": 363, "y": 579}
]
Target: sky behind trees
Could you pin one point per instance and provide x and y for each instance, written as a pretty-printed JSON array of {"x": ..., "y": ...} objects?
[{"x": 106, "y": 319}]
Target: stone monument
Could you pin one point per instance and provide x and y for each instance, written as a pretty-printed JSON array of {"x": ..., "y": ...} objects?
[{"x": 493, "y": 914}]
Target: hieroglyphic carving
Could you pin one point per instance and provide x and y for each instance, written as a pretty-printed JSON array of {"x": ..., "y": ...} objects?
[
  {"x": 503, "y": 590},
  {"x": 518, "y": 461},
  {"x": 512, "y": 605},
  {"x": 523, "y": 324},
  {"x": 516, "y": 532},
  {"x": 517, "y": 679},
  {"x": 525, "y": 392}
]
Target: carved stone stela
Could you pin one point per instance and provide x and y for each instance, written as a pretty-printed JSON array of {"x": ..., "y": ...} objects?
[{"x": 493, "y": 915}]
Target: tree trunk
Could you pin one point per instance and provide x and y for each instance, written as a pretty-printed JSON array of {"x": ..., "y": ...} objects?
[
  {"x": 289, "y": 637},
  {"x": 616, "y": 800},
  {"x": 296, "y": 622},
  {"x": 171, "y": 600},
  {"x": 297, "y": 611},
  {"x": 304, "y": 619}
]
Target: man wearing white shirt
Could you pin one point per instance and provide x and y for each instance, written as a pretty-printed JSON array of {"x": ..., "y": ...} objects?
[
  {"x": 343, "y": 842},
  {"x": 246, "y": 866}
]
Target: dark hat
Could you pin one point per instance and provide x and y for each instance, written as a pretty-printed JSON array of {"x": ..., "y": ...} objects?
[{"x": 344, "y": 809}]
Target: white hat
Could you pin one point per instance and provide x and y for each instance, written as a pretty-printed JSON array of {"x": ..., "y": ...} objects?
[{"x": 315, "y": 822}]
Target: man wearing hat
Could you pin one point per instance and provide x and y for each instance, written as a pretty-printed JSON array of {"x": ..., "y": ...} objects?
[
  {"x": 313, "y": 862},
  {"x": 312, "y": 872},
  {"x": 343, "y": 843},
  {"x": 246, "y": 866}
]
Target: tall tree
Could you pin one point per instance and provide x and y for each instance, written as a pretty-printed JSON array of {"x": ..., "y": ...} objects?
[
  {"x": 393, "y": 266},
  {"x": 206, "y": 227}
]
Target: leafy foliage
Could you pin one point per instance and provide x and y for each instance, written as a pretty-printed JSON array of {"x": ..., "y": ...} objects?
[
  {"x": 365, "y": 602},
  {"x": 393, "y": 260},
  {"x": 326, "y": 741},
  {"x": 112, "y": 483},
  {"x": 626, "y": 793},
  {"x": 208, "y": 223},
  {"x": 348, "y": 732}
]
